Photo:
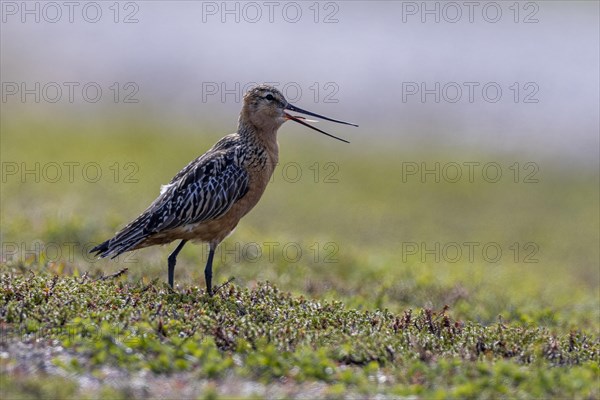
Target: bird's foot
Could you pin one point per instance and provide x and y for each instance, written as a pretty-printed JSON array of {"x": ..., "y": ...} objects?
[{"x": 170, "y": 288}]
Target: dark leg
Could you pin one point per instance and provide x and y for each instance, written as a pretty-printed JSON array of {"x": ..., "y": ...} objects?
[
  {"x": 173, "y": 260},
  {"x": 208, "y": 270}
]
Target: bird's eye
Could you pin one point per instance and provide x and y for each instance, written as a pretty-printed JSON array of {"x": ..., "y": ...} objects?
[{"x": 269, "y": 97}]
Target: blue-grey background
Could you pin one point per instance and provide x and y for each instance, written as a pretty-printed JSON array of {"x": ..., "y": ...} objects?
[{"x": 360, "y": 53}]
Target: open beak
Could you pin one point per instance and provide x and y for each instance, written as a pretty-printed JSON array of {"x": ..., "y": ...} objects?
[{"x": 301, "y": 120}]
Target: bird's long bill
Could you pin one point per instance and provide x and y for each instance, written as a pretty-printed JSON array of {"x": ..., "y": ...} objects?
[{"x": 300, "y": 120}]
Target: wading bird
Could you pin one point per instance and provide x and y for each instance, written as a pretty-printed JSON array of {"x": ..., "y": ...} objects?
[{"x": 205, "y": 201}]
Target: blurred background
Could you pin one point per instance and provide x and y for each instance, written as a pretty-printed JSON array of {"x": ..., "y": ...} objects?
[
  {"x": 190, "y": 60},
  {"x": 478, "y": 133}
]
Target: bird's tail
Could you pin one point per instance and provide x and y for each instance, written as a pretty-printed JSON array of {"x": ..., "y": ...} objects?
[{"x": 126, "y": 239}]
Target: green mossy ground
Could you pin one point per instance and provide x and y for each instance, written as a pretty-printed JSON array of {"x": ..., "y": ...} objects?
[
  {"x": 354, "y": 315},
  {"x": 268, "y": 335}
]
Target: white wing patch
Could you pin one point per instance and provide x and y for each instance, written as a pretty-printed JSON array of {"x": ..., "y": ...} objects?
[{"x": 164, "y": 188}]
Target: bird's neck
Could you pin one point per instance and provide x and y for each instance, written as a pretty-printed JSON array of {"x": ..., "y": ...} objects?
[{"x": 265, "y": 138}]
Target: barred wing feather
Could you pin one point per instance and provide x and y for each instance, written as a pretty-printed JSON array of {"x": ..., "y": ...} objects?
[{"x": 205, "y": 192}]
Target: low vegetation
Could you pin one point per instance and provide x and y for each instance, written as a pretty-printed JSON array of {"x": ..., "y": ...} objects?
[{"x": 352, "y": 277}]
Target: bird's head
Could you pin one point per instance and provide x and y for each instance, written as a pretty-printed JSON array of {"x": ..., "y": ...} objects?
[{"x": 264, "y": 108}]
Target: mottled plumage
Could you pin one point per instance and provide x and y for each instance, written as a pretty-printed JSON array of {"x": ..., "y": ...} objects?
[{"x": 207, "y": 198}]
